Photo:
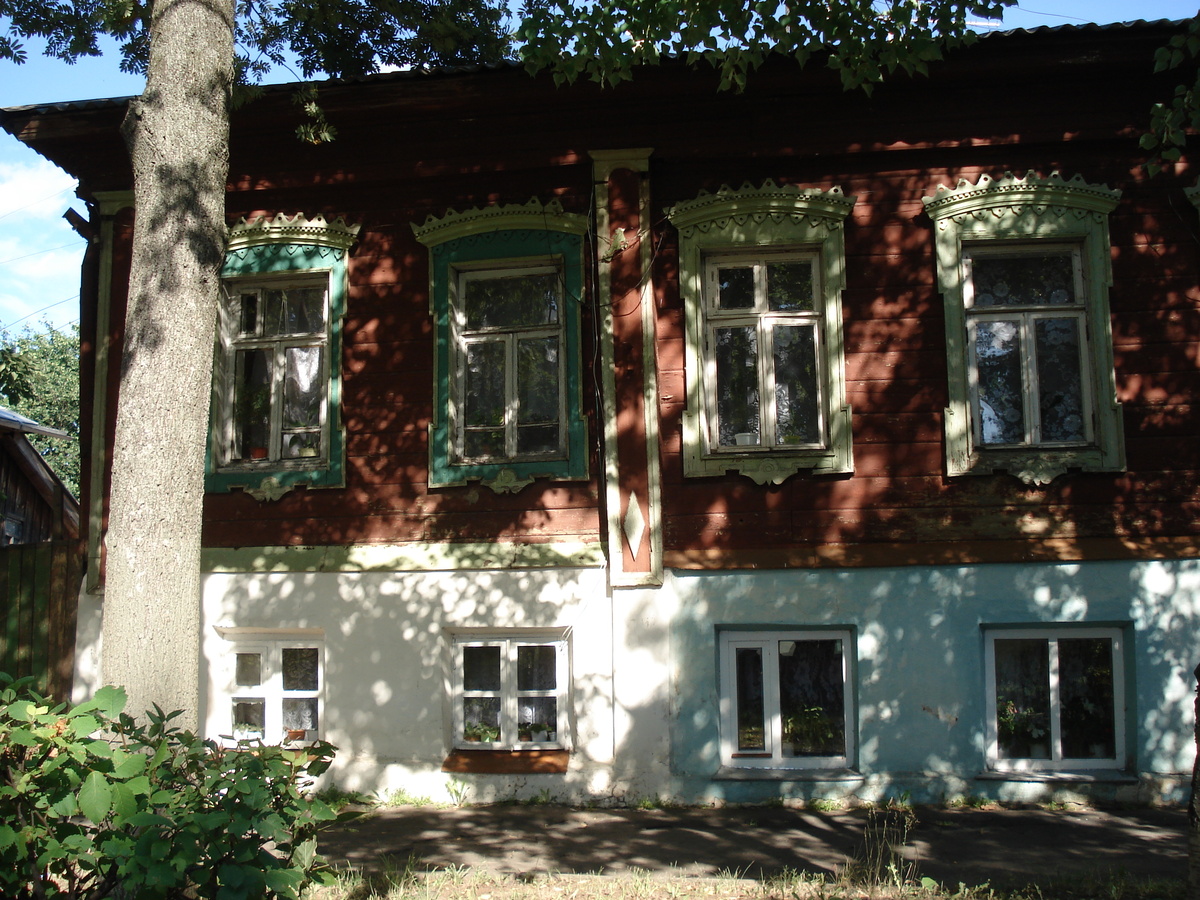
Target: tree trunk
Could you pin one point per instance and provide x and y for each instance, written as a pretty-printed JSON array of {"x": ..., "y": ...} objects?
[
  {"x": 178, "y": 136},
  {"x": 1193, "y": 847}
]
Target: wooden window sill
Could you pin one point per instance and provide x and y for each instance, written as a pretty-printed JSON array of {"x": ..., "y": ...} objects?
[{"x": 507, "y": 762}]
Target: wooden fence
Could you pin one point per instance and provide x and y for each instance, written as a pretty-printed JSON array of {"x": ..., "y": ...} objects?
[{"x": 39, "y": 591}]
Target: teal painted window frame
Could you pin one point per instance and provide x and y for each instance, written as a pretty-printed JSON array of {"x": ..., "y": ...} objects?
[
  {"x": 500, "y": 238},
  {"x": 758, "y": 222},
  {"x": 268, "y": 262},
  {"x": 1028, "y": 213}
]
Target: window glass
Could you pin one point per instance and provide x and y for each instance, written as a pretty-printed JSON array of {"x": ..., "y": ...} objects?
[
  {"x": 765, "y": 355},
  {"x": 1029, "y": 279},
  {"x": 300, "y": 668},
  {"x": 481, "y": 668},
  {"x": 1023, "y": 698},
  {"x": 278, "y": 394},
  {"x": 812, "y": 698},
  {"x": 249, "y": 669},
  {"x": 510, "y": 392},
  {"x": 749, "y": 697}
]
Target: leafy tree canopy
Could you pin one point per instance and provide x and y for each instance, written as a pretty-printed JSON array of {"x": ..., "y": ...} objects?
[
  {"x": 864, "y": 39},
  {"x": 1170, "y": 121},
  {"x": 49, "y": 361},
  {"x": 336, "y": 37}
]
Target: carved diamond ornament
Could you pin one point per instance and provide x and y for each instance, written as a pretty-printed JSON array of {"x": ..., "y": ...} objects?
[{"x": 634, "y": 525}]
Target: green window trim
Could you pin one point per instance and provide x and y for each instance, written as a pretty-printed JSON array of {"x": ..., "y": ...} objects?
[
  {"x": 757, "y": 220},
  {"x": 267, "y": 250},
  {"x": 499, "y": 238},
  {"x": 1016, "y": 212}
]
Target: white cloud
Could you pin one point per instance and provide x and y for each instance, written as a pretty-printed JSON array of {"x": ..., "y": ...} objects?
[{"x": 33, "y": 190}]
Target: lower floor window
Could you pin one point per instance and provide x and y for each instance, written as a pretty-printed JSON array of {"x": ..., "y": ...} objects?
[
  {"x": 275, "y": 691},
  {"x": 510, "y": 692},
  {"x": 1055, "y": 699},
  {"x": 785, "y": 699}
]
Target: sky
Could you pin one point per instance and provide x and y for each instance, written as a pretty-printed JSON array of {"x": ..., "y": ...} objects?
[{"x": 40, "y": 254}]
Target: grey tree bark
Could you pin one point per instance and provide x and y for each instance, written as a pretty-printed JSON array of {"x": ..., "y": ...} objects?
[
  {"x": 178, "y": 137},
  {"x": 1193, "y": 840}
]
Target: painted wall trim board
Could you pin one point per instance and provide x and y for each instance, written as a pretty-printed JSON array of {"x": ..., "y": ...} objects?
[{"x": 402, "y": 557}]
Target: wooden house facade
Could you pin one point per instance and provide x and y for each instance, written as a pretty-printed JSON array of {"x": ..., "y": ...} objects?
[{"x": 655, "y": 441}]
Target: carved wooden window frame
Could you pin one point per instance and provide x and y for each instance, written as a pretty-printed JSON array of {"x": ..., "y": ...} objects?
[
  {"x": 756, "y": 221},
  {"x": 1016, "y": 212},
  {"x": 281, "y": 252},
  {"x": 494, "y": 239}
]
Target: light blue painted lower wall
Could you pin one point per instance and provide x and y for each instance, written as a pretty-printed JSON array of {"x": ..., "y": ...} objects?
[{"x": 919, "y": 668}]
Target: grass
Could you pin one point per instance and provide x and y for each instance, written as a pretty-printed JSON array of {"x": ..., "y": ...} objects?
[{"x": 407, "y": 882}]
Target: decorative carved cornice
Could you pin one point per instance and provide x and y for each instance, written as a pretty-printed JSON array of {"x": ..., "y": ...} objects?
[
  {"x": 511, "y": 217},
  {"x": 1012, "y": 195},
  {"x": 269, "y": 489},
  {"x": 297, "y": 230},
  {"x": 758, "y": 204}
]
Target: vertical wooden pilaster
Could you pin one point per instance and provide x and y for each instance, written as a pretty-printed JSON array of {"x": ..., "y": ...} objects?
[{"x": 632, "y": 479}]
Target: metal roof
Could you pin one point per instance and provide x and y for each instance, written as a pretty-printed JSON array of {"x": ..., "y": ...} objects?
[{"x": 14, "y": 421}]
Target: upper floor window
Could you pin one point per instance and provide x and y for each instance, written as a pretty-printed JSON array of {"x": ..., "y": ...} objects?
[
  {"x": 761, "y": 274},
  {"x": 276, "y": 378},
  {"x": 508, "y": 387},
  {"x": 1023, "y": 266},
  {"x": 506, "y": 286}
]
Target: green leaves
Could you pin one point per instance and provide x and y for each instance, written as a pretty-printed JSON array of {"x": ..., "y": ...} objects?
[
  {"x": 1171, "y": 120},
  {"x": 93, "y": 797},
  {"x": 607, "y": 39}
]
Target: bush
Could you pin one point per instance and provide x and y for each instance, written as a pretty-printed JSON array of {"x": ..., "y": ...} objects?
[{"x": 94, "y": 803}]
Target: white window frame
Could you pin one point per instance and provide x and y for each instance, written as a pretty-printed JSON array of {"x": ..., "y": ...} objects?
[
  {"x": 762, "y": 319},
  {"x": 1056, "y": 761},
  {"x": 772, "y": 757},
  {"x": 463, "y": 337},
  {"x": 758, "y": 222},
  {"x": 509, "y": 695},
  {"x": 271, "y": 690},
  {"x": 1013, "y": 215},
  {"x": 231, "y": 341}
]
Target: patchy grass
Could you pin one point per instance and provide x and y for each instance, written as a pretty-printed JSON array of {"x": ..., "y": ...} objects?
[{"x": 405, "y": 881}]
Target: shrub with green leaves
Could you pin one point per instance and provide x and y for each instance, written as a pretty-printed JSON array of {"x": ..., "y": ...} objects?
[{"x": 94, "y": 803}]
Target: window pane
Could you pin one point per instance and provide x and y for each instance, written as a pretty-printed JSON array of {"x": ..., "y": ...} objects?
[
  {"x": 303, "y": 388},
  {"x": 812, "y": 698},
  {"x": 737, "y": 385},
  {"x": 797, "y": 418},
  {"x": 1085, "y": 689},
  {"x": 300, "y": 714},
  {"x": 537, "y": 439},
  {"x": 537, "y": 668},
  {"x": 1036, "y": 279},
  {"x": 249, "y": 719},
  {"x": 537, "y": 381},
  {"x": 294, "y": 311},
  {"x": 248, "y": 670},
  {"x": 300, "y": 665},
  {"x": 1022, "y": 698},
  {"x": 735, "y": 288},
  {"x": 481, "y": 719},
  {"x": 252, "y": 403},
  {"x": 790, "y": 286},
  {"x": 751, "y": 734},
  {"x": 485, "y": 384},
  {"x": 511, "y": 301},
  {"x": 537, "y": 719},
  {"x": 249, "y": 313},
  {"x": 1060, "y": 381},
  {"x": 1001, "y": 397},
  {"x": 302, "y": 444},
  {"x": 481, "y": 668}
]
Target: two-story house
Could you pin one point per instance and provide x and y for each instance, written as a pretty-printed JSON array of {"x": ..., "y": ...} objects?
[{"x": 656, "y": 441}]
